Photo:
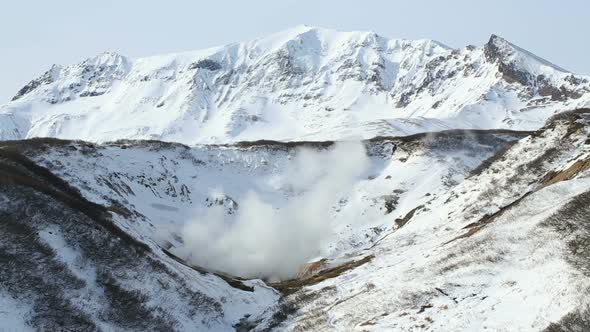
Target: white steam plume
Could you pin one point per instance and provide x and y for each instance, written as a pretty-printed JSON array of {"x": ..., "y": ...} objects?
[{"x": 273, "y": 242}]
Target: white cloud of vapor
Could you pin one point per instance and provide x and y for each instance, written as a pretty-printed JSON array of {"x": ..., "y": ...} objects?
[{"x": 262, "y": 240}]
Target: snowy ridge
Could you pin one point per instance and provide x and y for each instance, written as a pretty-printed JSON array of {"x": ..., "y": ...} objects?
[{"x": 305, "y": 83}]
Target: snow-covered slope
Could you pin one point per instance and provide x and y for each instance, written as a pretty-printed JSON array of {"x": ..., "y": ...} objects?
[
  {"x": 449, "y": 231},
  {"x": 301, "y": 84},
  {"x": 505, "y": 250},
  {"x": 163, "y": 184},
  {"x": 150, "y": 186},
  {"x": 69, "y": 264}
]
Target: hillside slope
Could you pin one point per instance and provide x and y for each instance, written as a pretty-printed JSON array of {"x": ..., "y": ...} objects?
[
  {"x": 67, "y": 264},
  {"x": 505, "y": 250},
  {"x": 102, "y": 213},
  {"x": 447, "y": 231}
]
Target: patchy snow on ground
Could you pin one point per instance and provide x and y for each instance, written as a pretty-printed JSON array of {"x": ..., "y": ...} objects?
[{"x": 13, "y": 314}]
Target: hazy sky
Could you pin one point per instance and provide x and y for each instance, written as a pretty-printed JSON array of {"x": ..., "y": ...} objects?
[{"x": 36, "y": 34}]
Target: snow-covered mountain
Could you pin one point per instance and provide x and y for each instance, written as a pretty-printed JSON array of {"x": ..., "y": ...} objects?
[
  {"x": 310, "y": 180},
  {"x": 305, "y": 83}
]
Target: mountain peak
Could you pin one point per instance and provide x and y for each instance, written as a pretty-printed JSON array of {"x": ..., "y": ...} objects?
[
  {"x": 302, "y": 28},
  {"x": 495, "y": 39},
  {"x": 498, "y": 49},
  {"x": 91, "y": 77},
  {"x": 107, "y": 58},
  {"x": 322, "y": 31},
  {"x": 46, "y": 78}
]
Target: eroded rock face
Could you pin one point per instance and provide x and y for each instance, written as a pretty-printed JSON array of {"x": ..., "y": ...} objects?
[
  {"x": 498, "y": 50},
  {"x": 206, "y": 64}
]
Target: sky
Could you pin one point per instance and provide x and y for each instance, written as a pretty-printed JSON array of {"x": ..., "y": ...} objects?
[{"x": 36, "y": 34}]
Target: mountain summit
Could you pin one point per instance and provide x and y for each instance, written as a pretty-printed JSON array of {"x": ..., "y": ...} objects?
[{"x": 305, "y": 83}]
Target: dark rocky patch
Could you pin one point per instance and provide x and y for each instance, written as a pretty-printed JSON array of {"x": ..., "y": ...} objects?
[{"x": 206, "y": 64}]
